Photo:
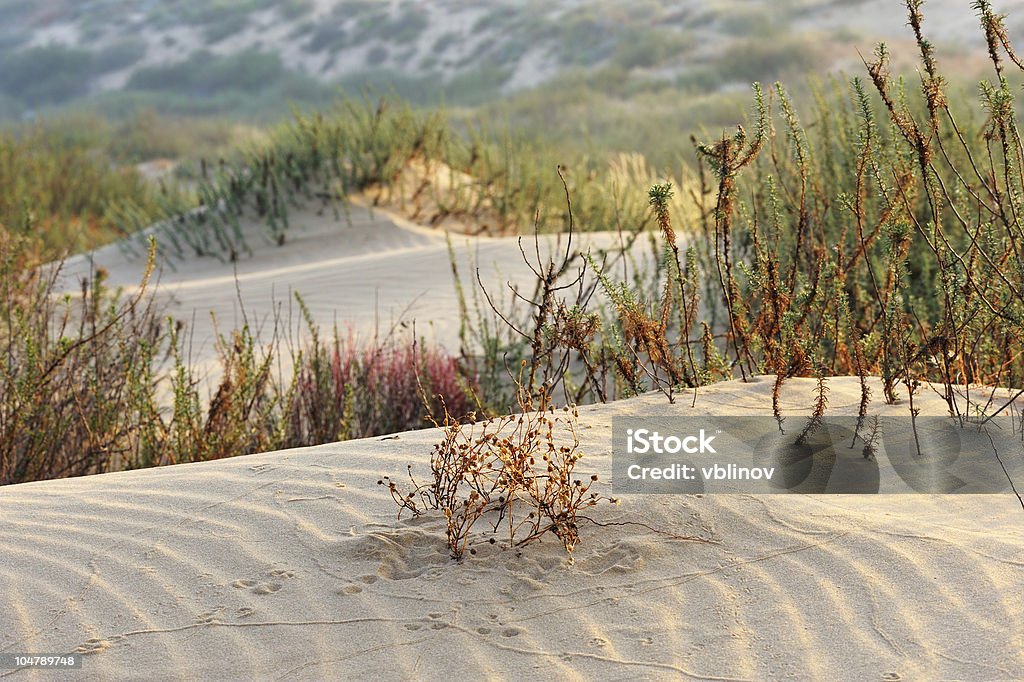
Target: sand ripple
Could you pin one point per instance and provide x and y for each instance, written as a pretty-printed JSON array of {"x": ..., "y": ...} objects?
[{"x": 292, "y": 566}]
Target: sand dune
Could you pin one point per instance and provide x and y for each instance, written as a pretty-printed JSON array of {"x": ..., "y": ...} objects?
[
  {"x": 366, "y": 274},
  {"x": 292, "y": 565}
]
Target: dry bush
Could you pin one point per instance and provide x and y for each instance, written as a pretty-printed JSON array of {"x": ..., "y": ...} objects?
[
  {"x": 75, "y": 377},
  {"x": 511, "y": 472}
]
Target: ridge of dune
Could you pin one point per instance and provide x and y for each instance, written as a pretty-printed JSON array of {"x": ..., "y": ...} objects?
[{"x": 291, "y": 565}]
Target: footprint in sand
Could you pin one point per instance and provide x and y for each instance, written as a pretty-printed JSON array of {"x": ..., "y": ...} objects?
[
  {"x": 404, "y": 553},
  {"x": 349, "y": 590},
  {"x": 208, "y": 617},
  {"x": 267, "y": 587},
  {"x": 438, "y": 621},
  {"x": 621, "y": 557},
  {"x": 97, "y": 644},
  {"x": 93, "y": 646}
]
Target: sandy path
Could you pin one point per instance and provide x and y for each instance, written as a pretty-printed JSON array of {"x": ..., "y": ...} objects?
[{"x": 291, "y": 565}]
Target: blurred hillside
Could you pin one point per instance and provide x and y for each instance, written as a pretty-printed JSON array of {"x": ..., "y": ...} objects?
[
  {"x": 162, "y": 91},
  {"x": 253, "y": 57}
]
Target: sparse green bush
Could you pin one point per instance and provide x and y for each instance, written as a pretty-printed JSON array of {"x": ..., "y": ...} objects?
[
  {"x": 74, "y": 379},
  {"x": 879, "y": 240},
  {"x": 80, "y": 380},
  {"x": 364, "y": 145},
  {"x": 146, "y": 135}
]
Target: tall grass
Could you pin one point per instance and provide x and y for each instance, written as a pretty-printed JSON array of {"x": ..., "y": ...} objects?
[{"x": 879, "y": 234}]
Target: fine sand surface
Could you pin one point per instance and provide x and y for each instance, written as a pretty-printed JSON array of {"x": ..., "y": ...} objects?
[{"x": 292, "y": 566}]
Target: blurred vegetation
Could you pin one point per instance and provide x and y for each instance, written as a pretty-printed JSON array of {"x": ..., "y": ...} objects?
[
  {"x": 613, "y": 46},
  {"x": 205, "y": 83},
  {"x": 476, "y": 178},
  {"x": 68, "y": 182},
  {"x": 54, "y": 188}
]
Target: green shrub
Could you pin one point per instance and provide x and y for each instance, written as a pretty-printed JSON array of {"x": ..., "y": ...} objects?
[
  {"x": 45, "y": 75},
  {"x": 328, "y": 36},
  {"x": 753, "y": 60},
  {"x": 377, "y": 55},
  {"x": 424, "y": 89},
  {"x": 878, "y": 237},
  {"x": 120, "y": 55},
  {"x": 79, "y": 379},
  {"x": 75, "y": 391},
  {"x": 584, "y": 39},
  {"x": 646, "y": 48},
  {"x": 293, "y": 9}
]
